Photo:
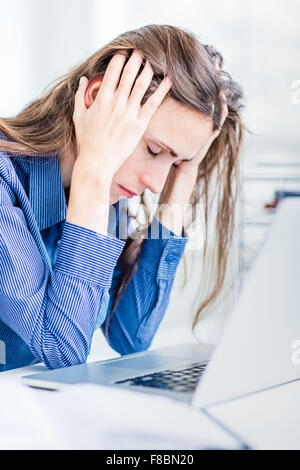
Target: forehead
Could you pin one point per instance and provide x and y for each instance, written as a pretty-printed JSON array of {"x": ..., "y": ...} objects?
[{"x": 181, "y": 128}]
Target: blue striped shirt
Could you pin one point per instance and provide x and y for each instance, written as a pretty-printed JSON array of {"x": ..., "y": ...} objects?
[{"x": 57, "y": 278}]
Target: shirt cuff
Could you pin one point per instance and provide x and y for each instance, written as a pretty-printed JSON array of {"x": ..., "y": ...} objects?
[
  {"x": 162, "y": 250},
  {"x": 87, "y": 254}
]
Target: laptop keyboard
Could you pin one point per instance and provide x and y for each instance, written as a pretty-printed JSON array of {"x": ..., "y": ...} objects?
[{"x": 183, "y": 380}]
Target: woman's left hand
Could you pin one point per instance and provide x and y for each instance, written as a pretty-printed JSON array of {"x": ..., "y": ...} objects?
[{"x": 182, "y": 179}]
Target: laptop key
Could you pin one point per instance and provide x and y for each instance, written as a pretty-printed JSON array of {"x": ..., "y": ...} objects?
[{"x": 184, "y": 380}]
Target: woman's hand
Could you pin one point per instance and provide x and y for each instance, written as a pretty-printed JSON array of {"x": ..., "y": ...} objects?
[
  {"x": 181, "y": 180},
  {"x": 111, "y": 128},
  {"x": 180, "y": 183}
]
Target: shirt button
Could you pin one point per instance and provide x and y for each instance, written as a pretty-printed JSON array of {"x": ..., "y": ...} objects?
[{"x": 170, "y": 258}]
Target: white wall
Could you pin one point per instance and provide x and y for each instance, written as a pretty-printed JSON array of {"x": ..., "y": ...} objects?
[
  {"x": 40, "y": 41},
  {"x": 259, "y": 40}
]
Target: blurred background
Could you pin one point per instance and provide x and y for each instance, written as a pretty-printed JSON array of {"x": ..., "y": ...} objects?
[{"x": 259, "y": 41}]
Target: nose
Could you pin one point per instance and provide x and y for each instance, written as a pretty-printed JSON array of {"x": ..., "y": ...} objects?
[{"x": 155, "y": 178}]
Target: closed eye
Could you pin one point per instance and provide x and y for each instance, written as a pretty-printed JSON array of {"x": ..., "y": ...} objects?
[{"x": 153, "y": 154}]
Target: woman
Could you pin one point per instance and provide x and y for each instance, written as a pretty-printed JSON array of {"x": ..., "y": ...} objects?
[{"x": 153, "y": 110}]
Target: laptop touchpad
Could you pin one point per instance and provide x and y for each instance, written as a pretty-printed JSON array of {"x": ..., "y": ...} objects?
[{"x": 150, "y": 362}]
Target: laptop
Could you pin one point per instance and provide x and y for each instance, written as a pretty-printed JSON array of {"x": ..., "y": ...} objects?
[{"x": 255, "y": 351}]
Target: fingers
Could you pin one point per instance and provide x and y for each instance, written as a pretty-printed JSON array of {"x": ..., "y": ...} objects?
[
  {"x": 129, "y": 75},
  {"x": 223, "y": 112},
  {"x": 155, "y": 100},
  {"x": 79, "y": 104},
  {"x": 125, "y": 93},
  {"x": 223, "y": 99},
  {"x": 224, "y": 107},
  {"x": 141, "y": 85},
  {"x": 111, "y": 77}
]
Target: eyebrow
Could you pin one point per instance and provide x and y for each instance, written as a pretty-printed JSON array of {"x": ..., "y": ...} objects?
[{"x": 172, "y": 152}]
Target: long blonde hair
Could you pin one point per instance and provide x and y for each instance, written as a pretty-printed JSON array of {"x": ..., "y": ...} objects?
[{"x": 46, "y": 126}]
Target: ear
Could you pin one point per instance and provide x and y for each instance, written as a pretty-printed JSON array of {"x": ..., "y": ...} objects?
[{"x": 92, "y": 90}]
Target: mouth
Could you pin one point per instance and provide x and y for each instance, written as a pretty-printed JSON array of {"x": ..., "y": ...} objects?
[{"x": 126, "y": 191}]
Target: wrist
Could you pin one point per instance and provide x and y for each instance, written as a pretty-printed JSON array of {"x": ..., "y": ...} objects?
[
  {"x": 94, "y": 175},
  {"x": 89, "y": 198},
  {"x": 181, "y": 188},
  {"x": 171, "y": 216}
]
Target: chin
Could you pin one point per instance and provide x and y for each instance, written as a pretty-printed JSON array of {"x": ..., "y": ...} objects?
[{"x": 113, "y": 200}]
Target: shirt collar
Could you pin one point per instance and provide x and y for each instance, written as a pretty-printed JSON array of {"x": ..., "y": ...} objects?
[{"x": 46, "y": 191}]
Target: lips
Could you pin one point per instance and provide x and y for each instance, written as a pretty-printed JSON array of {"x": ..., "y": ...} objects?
[{"x": 126, "y": 191}]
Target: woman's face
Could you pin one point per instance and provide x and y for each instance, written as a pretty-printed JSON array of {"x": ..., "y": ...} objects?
[{"x": 183, "y": 130}]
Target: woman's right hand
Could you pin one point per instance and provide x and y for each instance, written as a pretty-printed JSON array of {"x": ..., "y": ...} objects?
[{"x": 110, "y": 129}]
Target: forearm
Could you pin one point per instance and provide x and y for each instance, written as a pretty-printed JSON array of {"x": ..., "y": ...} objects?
[
  {"x": 54, "y": 312},
  {"x": 145, "y": 299}
]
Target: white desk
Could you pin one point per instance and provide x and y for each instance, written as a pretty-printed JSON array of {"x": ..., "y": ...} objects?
[
  {"x": 94, "y": 417},
  {"x": 34, "y": 426}
]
